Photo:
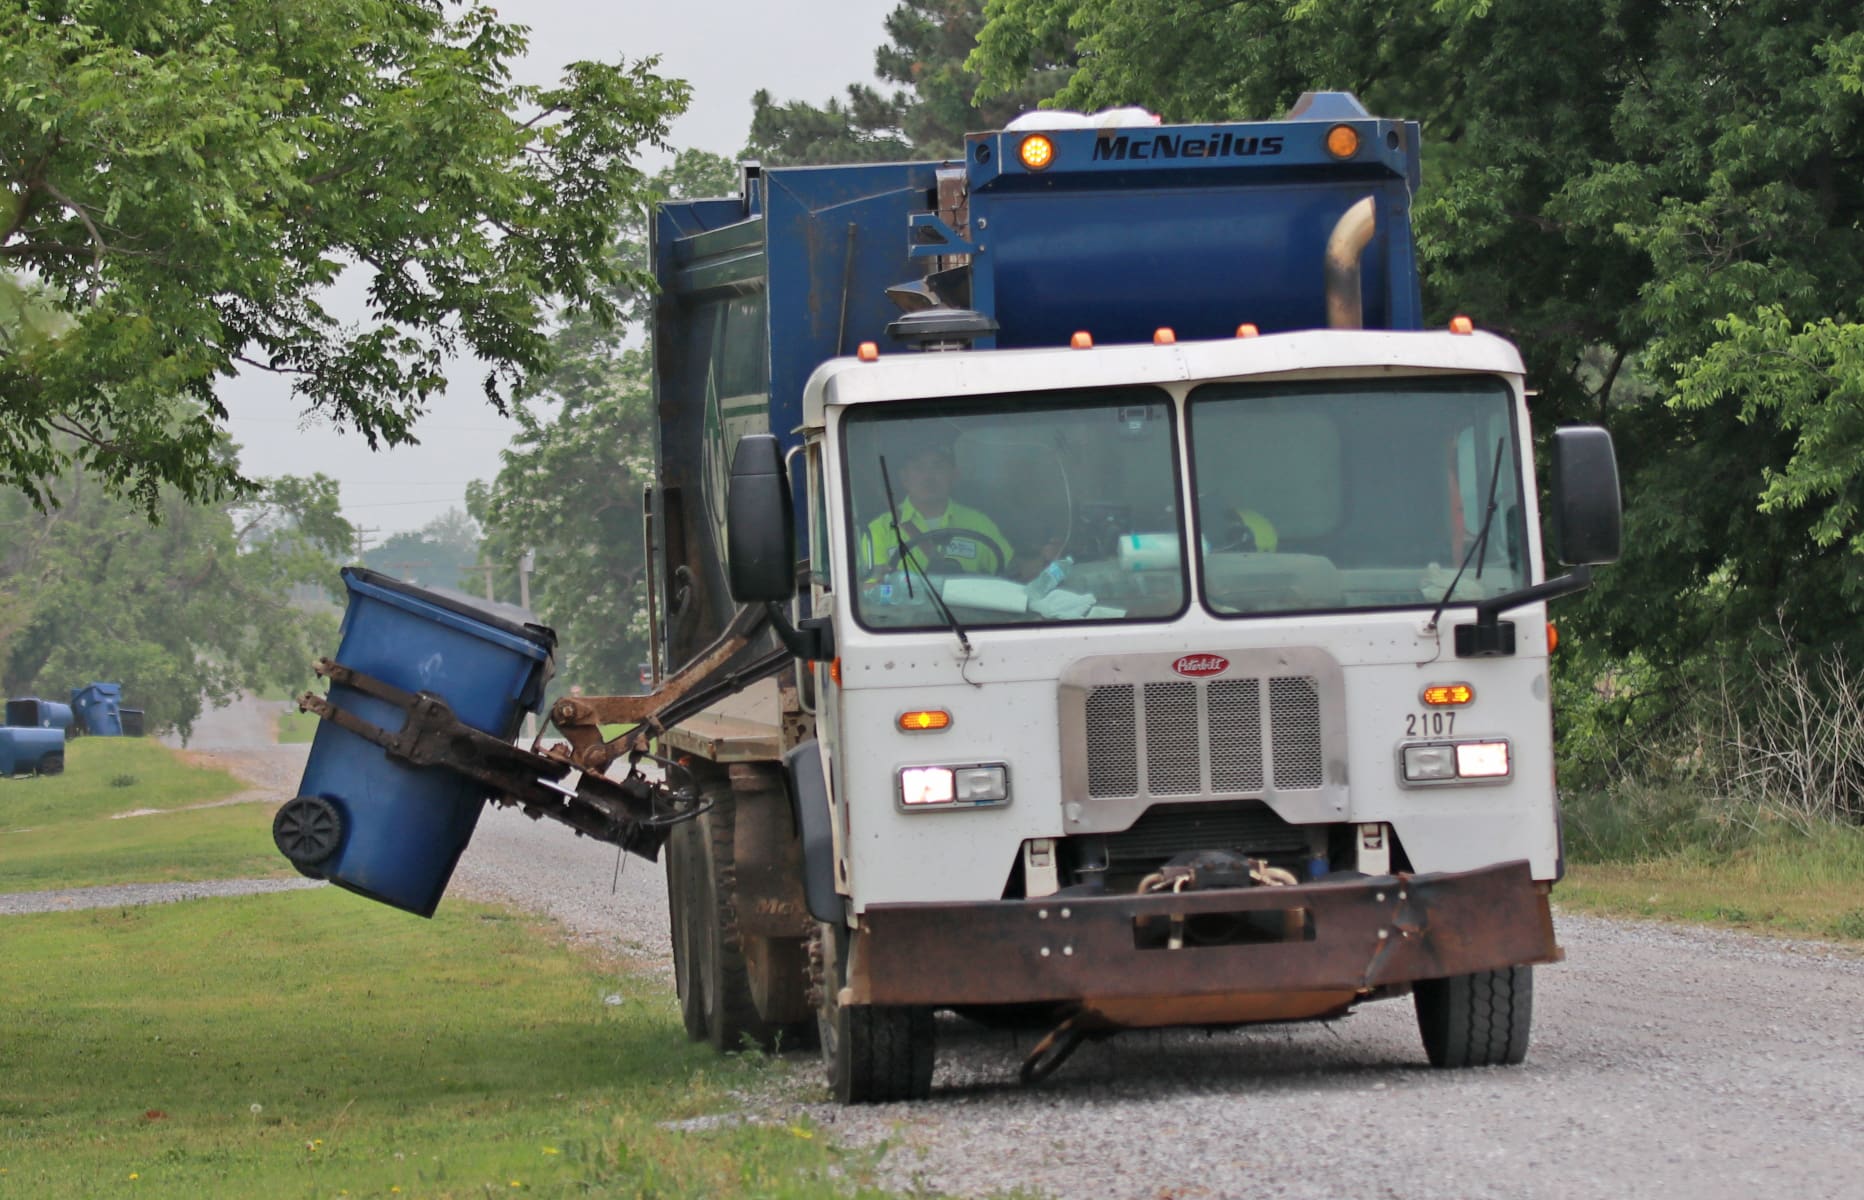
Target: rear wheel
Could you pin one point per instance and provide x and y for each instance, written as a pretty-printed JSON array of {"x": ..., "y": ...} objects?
[
  {"x": 52, "y": 764},
  {"x": 1478, "y": 1020},
  {"x": 731, "y": 1020},
  {"x": 683, "y": 866},
  {"x": 874, "y": 1053}
]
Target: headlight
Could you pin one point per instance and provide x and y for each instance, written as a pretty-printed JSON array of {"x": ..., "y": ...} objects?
[
  {"x": 971, "y": 786},
  {"x": 1452, "y": 762}
]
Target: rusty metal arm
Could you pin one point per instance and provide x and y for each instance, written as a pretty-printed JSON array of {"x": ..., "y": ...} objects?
[
  {"x": 696, "y": 686},
  {"x": 631, "y": 813}
]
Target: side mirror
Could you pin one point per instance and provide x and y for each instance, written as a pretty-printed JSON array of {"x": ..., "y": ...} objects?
[
  {"x": 760, "y": 528},
  {"x": 1588, "y": 515}
]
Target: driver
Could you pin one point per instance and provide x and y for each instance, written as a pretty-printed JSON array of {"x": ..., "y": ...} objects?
[{"x": 926, "y": 474}]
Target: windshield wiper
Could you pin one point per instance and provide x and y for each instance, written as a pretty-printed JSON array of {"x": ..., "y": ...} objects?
[
  {"x": 1478, "y": 549},
  {"x": 908, "y": 563}
]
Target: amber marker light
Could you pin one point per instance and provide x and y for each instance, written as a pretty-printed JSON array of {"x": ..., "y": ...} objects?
[
  {"x": 1164, "y": 337},
  {"x": 834, "y": 670},
  {"x": 1462, "y": 325},
  {"x": 1037, "y": 152},
  {"x": 1442, "y": 695},
  {"x": 1342, "y": 141},
  {"x": 927, "y": 720},
  {"x": 1247, "y": 330},
  {"x": 868, "y": 352},
  {"x": 1082, "y": 340},
  {"x": 1553, "y": 638}
]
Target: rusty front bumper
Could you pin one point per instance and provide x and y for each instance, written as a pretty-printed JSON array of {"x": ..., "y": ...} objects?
[{"x": 1346, "y": 939}]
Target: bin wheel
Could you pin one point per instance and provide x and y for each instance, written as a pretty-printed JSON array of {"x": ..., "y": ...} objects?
[
  {"x": 308, "y": 830},
  {"x": 682, "y": 906},
  {"x": 874, "y": 1053},
  {"x": 1478, "y": 1020},
  {"x": 52, "y": 764}
]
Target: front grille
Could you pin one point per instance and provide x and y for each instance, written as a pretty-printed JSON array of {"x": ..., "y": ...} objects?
[
  {"x": 1205, "y": 737},
  {"x": 1248, "y": 827}
]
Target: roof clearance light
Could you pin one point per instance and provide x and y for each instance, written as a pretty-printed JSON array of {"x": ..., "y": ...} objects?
[
  {"x": 1037, "y": 152},
  {"x": 1082, "y": 340},
  {"x": 1342, "y": 141},
  {"x": 1462, "y": 325},
  {"x": 868, "y": 352},
  {"x": 927, "y": 720},
  {"x": 1438, "y": 695},
  {"x": 1481, "y": 760},
  {"x": 1247, "y": 331},
  {"x": 1164, "y": 337}
]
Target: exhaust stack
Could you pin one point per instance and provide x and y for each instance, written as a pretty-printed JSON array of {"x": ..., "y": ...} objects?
[{"x": 1344, "y": 246}]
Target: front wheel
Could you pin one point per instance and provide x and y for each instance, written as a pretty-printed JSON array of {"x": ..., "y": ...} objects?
[
  {"x": 874, "y": 1053},
  {"x": 1478, "y": 1020}
]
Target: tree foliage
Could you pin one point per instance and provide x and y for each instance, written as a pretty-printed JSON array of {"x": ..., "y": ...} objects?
[
  {"x": 441, "y": 553},
  {"x": 570, "y": 484},
  {"x": 1662, "y": 203},
  {"x": 212, "y": 600},
  {"x": 189, "y": 180},
  {"x": 933, "y": 104}
]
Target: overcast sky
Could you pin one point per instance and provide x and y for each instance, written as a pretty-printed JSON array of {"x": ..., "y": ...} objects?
[{"x": 726, "y": 49}]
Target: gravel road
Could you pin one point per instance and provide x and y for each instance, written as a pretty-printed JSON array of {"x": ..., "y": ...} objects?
[{"x": 1666, "y": 1062}]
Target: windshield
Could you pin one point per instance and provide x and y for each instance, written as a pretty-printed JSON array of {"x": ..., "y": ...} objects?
[
  {"x": 1019, "y": 509},
  {"x": 1354, "y": 494}
]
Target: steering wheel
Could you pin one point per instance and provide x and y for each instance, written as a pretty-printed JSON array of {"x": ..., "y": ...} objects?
[{"x": 948, "y": 535}]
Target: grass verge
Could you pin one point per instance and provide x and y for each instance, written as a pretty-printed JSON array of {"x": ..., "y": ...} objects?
[
  {"x": 296, "y": 727},
  {"x": 314, "y": 1044},
  {"x": 1663, "y": 855},
  {"x": 62, "y": 831}
]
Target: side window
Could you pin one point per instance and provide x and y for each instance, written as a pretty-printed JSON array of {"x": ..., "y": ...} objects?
[{"x": 818, "y": 522}]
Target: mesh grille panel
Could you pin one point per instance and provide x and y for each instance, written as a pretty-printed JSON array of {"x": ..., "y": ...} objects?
[
  {"x": 1294, "y": 723},
  {"x": 1248, "y": 826},
  {"x": 1173, "y": 765},
  {"x": 1235, "y": 735},
  {"x": 1112, "y": 743}
]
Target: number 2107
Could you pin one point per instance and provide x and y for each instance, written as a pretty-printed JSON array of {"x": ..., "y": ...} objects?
[{"x": 1429, "y": 724}]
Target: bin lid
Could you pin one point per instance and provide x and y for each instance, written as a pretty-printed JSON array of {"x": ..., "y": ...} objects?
[{"x": 508, "y": 619}]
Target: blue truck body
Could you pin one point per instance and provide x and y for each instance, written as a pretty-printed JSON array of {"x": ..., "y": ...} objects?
[
  {"x": 1199, "y": 228},
  {"x": 31, "y": 751}
]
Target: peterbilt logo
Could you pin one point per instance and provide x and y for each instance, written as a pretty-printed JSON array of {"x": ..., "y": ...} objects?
[{"x": 1199, "y": 665}]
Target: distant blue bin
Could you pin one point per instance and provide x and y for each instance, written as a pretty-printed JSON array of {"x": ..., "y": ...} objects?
[
  {"x": 31, "y": 751},
  {"x": 32, "y": 712},
  {"x": 402, "y": 829},
  {"x": 97, "y": 707}
]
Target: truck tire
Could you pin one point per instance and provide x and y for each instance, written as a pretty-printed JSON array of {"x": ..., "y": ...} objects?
[
  {"x": 682, "y": 904},
  {"x": 874, "y": 1054},
  {"x": 52, "y": 764},
  {"x": 731, "y": 1020},
  {"x": 1478, "y": 1020}
]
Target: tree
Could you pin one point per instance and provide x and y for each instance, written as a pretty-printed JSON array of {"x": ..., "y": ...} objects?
[
  {"x": 571, "y": 482},
  {"x": 212, "y": 600},
  {"x": 1661, "y": 203},
  {"x": 189, "y": 180},
  {"x": 441, "y": 553},
  {"x": 934, "y": 105}
]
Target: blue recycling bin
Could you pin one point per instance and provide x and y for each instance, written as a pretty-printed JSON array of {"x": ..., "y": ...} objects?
[
  {"x": 389, "y": 831},
  {"x": 31, "y": 751},
  {"x": 98, "y": 708},
  {"x": 32, "y": 712}
]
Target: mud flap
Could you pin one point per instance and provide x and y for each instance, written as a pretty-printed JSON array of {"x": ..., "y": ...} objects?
[{"x": 809, "y": 792}]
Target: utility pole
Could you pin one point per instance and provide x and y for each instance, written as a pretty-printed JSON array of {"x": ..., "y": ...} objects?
[{"x": 362, "y": 538}]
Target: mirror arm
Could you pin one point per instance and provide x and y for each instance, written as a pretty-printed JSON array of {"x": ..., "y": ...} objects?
[
  {"x": 1489, "y": 637},
  {"x": 811, "y": 639}
]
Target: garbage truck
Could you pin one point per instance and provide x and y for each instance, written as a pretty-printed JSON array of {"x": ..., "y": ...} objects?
[{"x": 1083, "y": 592}]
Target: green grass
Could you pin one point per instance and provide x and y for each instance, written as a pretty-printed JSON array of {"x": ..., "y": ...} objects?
[
  {"x": 315, "y": 1044},
  {"x": 296, "y": 727},
  {"x": 1679, "y": 851},
  {"x": 60, "y": 832}
]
